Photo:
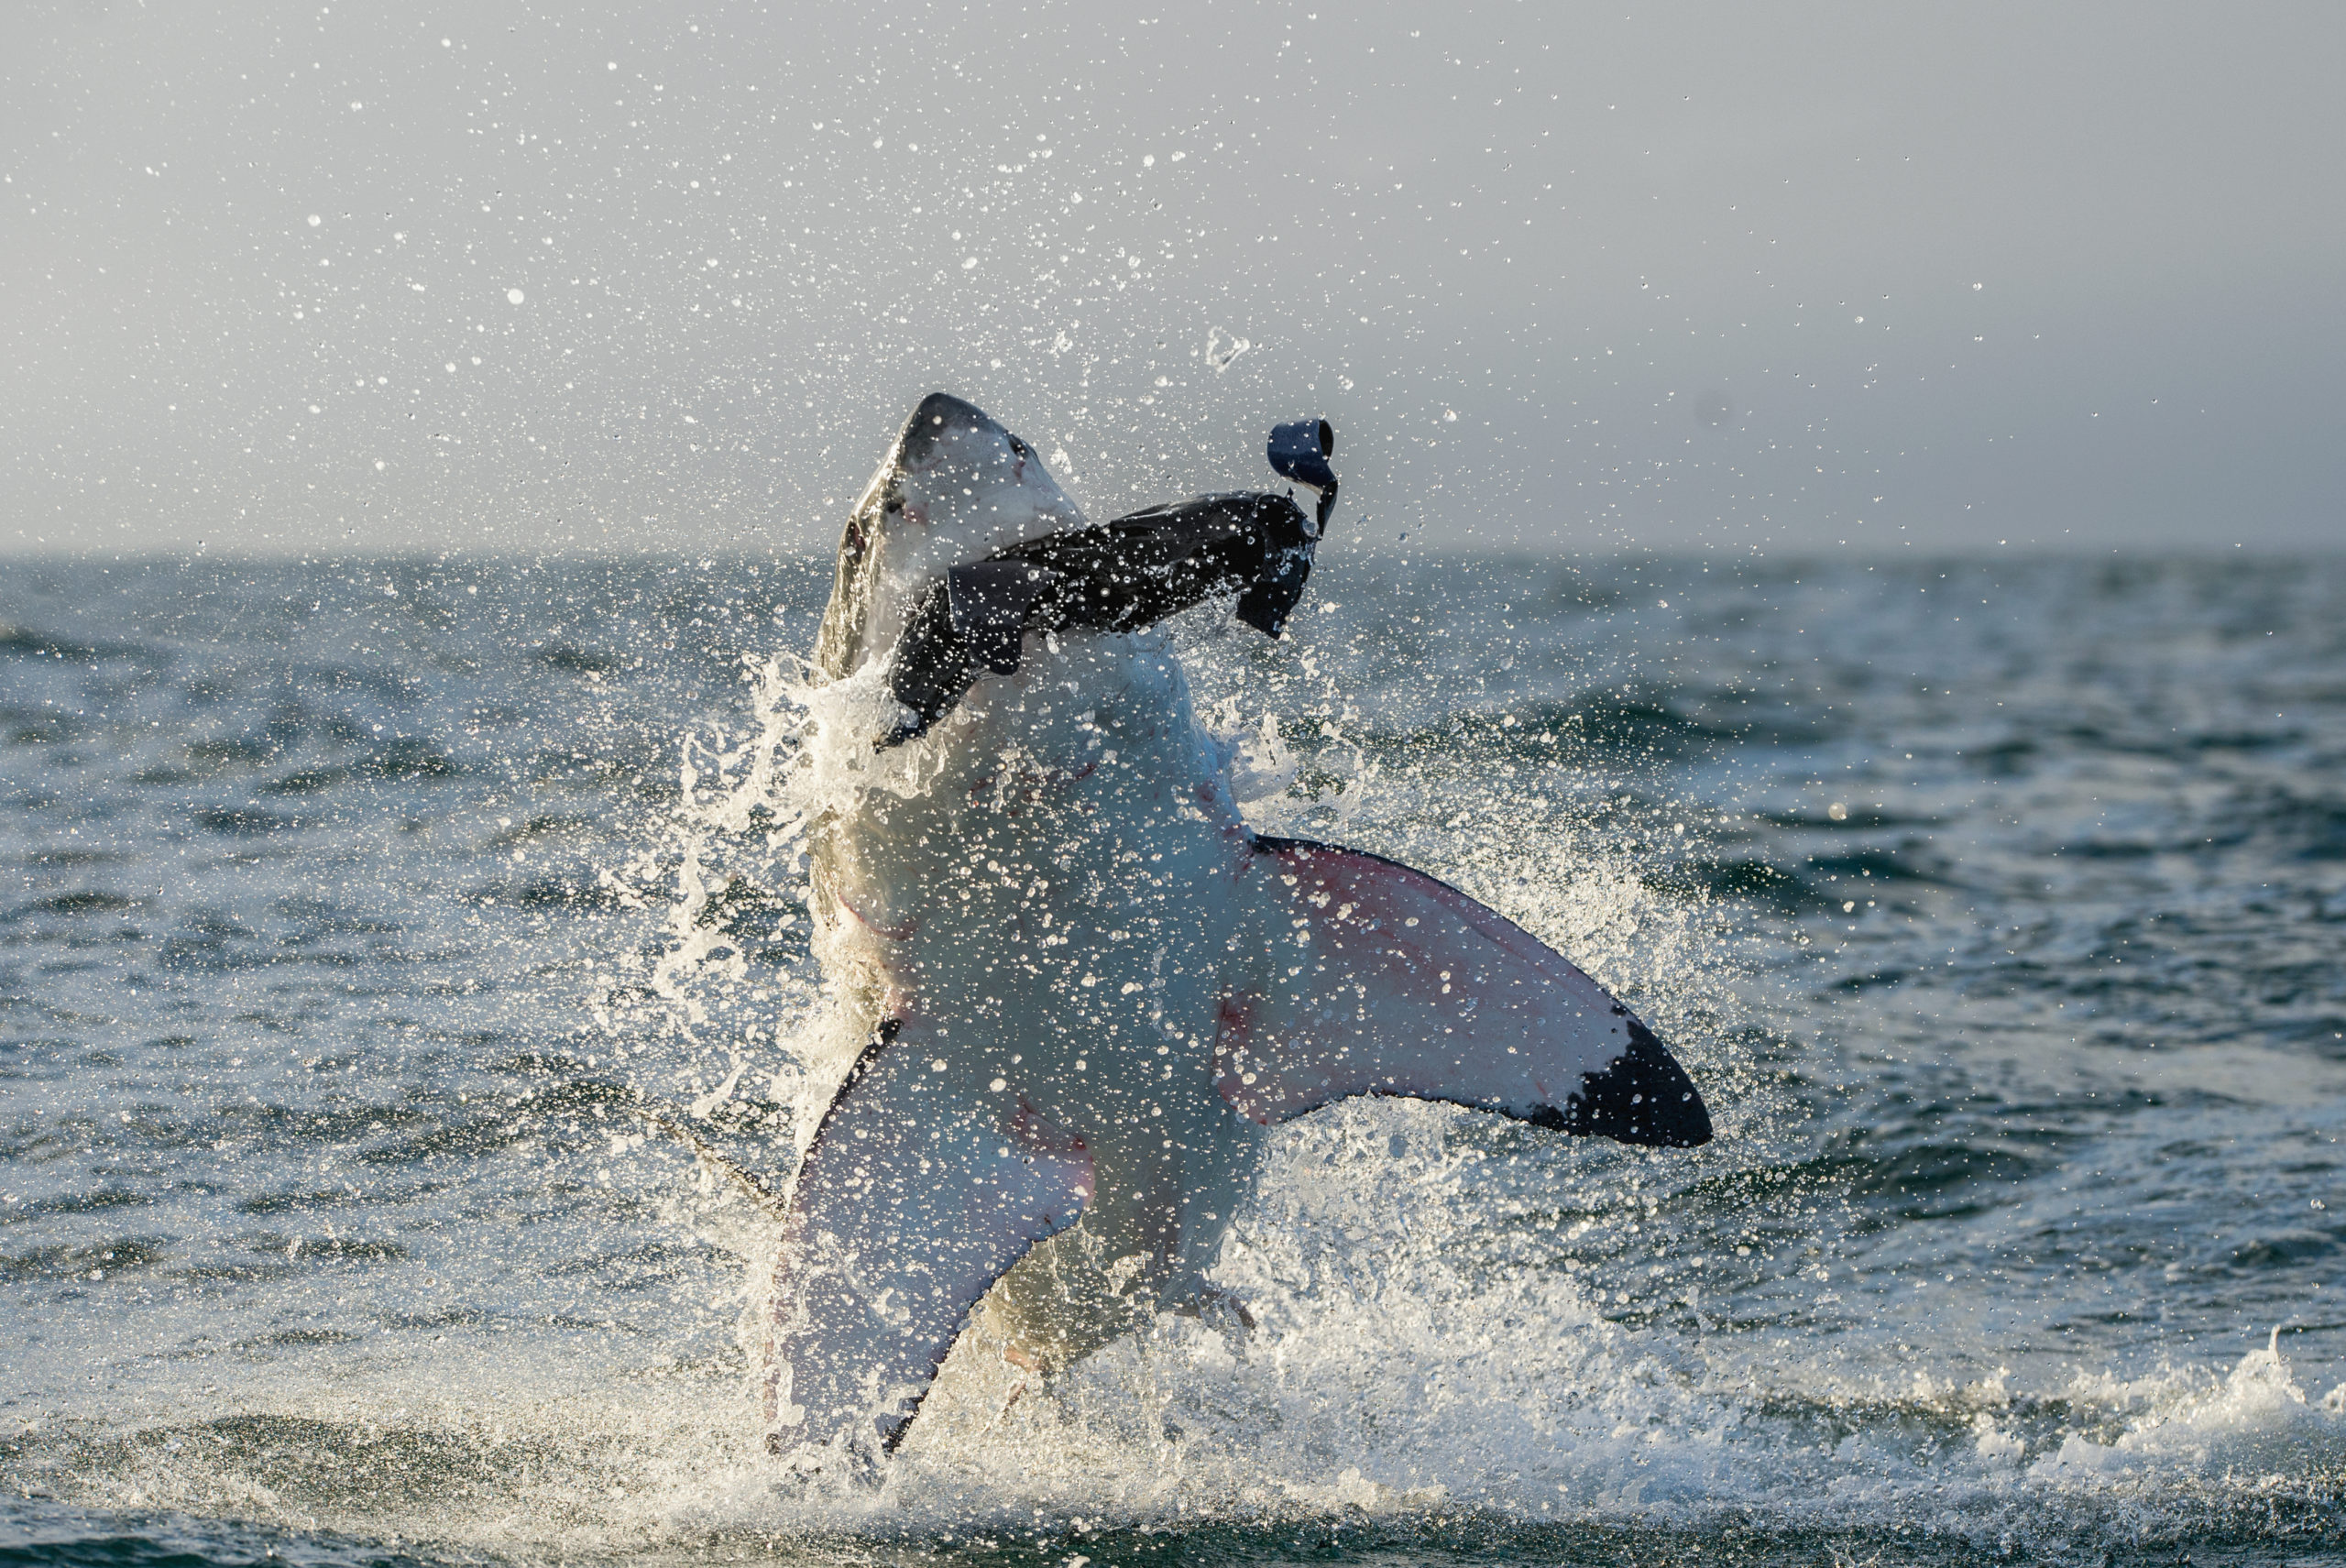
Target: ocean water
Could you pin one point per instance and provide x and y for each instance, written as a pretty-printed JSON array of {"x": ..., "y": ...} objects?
[{"x": 369, "y": 925}]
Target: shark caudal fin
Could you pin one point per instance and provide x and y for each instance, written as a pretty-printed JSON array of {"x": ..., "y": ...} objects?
[{"x": 1404, "y": 985}]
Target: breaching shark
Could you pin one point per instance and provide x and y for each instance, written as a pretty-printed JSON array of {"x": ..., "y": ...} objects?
[{"x": 1089, "y": 987}]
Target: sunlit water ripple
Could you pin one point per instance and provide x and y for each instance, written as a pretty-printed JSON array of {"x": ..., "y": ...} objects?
[{"x": 1996, "y": 905}]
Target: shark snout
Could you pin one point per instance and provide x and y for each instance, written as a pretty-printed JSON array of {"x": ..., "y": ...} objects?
[{"x": 940, "y": 415}]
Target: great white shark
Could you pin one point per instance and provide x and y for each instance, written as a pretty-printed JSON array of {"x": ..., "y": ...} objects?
[{"x": 1087, "y": 985}]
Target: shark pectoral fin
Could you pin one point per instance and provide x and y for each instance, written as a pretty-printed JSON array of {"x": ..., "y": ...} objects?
[
  {"x": 914, "y": 1198},
  {"x": 1387, "y": 981}
]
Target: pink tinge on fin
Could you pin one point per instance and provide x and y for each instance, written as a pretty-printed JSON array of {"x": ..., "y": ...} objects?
[
  {"x": 1037, "y": 1134},
  {"x": 900, "y": 932},
  {"x": 1386, "y": 982},
  {"x": 1237, "y": 1067}
]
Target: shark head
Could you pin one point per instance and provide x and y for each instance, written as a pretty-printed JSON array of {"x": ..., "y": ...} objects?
[{"x": 955, "y": 488}]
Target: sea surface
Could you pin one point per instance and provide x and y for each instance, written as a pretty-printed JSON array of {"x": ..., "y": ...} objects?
[{"x": 371, "y": 929}]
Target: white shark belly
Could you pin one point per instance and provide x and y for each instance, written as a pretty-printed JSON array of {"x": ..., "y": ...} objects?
[{"x": 1061, "y": 911}]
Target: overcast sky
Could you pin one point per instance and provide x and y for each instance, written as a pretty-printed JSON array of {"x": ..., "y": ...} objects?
[{"x": 502, "y": 276}]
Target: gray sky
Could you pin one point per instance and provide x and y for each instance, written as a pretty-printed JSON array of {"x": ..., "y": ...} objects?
[{"x": 2069, "y": 276}]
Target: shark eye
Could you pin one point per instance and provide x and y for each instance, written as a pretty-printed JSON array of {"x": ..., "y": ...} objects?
[{"x": 1018, "y": 448}]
